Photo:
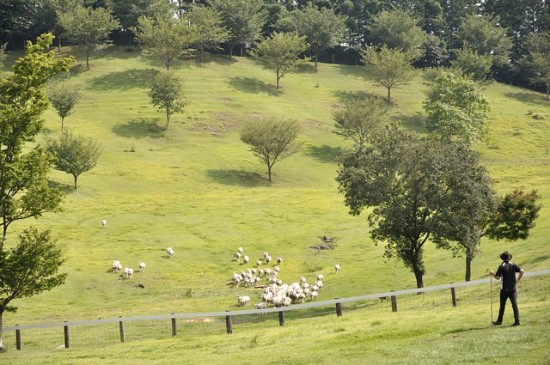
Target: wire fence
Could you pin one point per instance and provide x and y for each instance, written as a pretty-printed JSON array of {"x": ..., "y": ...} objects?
[{"x": 95, "y": 333}]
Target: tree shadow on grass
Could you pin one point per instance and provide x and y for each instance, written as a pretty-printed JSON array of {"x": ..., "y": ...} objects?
[
  {"x": 325, "y": 153},
  {"x": 346, "y": 96},
  {"x": 306, "y": 68},
  {"x": 238, "y": 177},
  {"x": 138, "y": 129},
  {"x": 253, "y": 86},
  {"x": 65, "y": 188},
  {"x": 124, "y": 80},
  {"x": 529, "y": 98},
  {"x": 414, "y": 122}
]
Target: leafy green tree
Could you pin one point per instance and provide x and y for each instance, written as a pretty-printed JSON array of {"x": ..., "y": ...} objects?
[
  {"x": 166, "y": 95},
  {"x": 538, "y": 62},
  {"x": 510, "y": 217},
  {"x": 208, "y": 27},
  {"x": 456, "y": 109},
  {"x": 3, "y": 53},
  {"x": 74, "y": 154},
  {"x": 271, "y": 140},
  {"x": 24, "y": 189},
  {"x": 165, "y": 37},
  {"x": 360, "y": 120},
  {"x": 281, "y": 53},
  {"x": 454, "y": 13},
  {"x": 389, "y": 67},
  {"x": 397, "y": 29},
  {"x": 88, "y": 27},
  {"x": 243, "y": 19},
  {"x": 323, "y": 28},
  {"x": 63, "y": 98},
  {"x": 472, "y": 64},
  {"x": 486, "y": 38},
  {"x": 414, "y": 186},
  {"x": 28, "y": 268}
]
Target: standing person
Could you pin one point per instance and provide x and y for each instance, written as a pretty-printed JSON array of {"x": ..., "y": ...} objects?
[{"x": 507, "y": 271}]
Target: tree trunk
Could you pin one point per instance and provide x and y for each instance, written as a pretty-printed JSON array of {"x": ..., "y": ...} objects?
[
  {"x": 201, "y": 55},
  {"x": 75, "y": 181},
  {"x": 389, "y": 95},
  {"x": 278, "y": 78},
  {"x": 1, "y": 329},
  {"x": 468, "y": 275},
  {"x": 547, "y": 91},
  {"x": 231, "y": 51},
  {"x": 167, "y": 118},
  {"x": 419, "y": 276},
  {"x": 62, "y": 122},
  {"x": 269, "y": 172}
]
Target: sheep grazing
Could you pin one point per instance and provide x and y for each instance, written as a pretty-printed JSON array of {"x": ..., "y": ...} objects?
[
  {"x": 240, "y": 249},
  {"x": 128, "y": 272},
  {"x": 246, "y": 259},
  {"x": 337, "y": 268},
  {"x": 268, "y": 259},
  {"x": 141, "y": 266},
  {"x": 170, "y": 251},
  {"x": 238, "y": 256},
  {"x": 319, "y": 277},
  {"x": 279, "y": 260},
  {"x": 104, "y": 223},
  {"x": 117, "y": 266},
  {"x": 243, "y": 300},
  {"x": 258, "y": 262}
]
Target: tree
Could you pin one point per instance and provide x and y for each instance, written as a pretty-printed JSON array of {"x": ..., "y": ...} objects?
[
  {"x": 24, "y": 189},
  {"x": 359, "y": 120},
  {"x": 472, "y": 64},
  {"x": 389, "y": 67},
  {"x": 166, "y": 95},
  {"x": 63, "y": 98},
  {"x": 397, "y": 29},
  {"x": 28, "y": 268},
  {"x": 2, "y": 53},
  {"x": 456, "y": 109},
  {"x": 208, "y": 29},
  {"x": 281, "y": 53},
  {"x": 414, "y": 186},
  {"x": 271, "y": 140},
  {"x": 88, "y": 27},
  {"x": 243, "y": 18},
  {"x": 165, "y": 37},
  {"x": 323, "y": 28},
  {"x": 539, "y": 60},
  {"x": 486, "y": 38},
  {"x": 74, "y": 154}
]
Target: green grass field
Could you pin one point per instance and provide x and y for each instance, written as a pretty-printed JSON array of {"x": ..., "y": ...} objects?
[{"x": 198, "y": 189}]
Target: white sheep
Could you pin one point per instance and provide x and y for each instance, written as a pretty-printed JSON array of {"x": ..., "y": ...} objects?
[
  {"x": 243, "y": 299},
  {"x": 337, "y": 268},
  {"x": 117, "y": 266},
  {"x": 261, "y": 305},
  {"x": 141, "y": 266},
  {"x": 240, "y": 249},
  {"x": 258, "y": 262},
  {"x": 319, "y": 277},
  {"x": 238, "y": 256},
  {"x": 246, "y": 259},
  {"x": 314, "y": 295},
  {"x": 104, "y": 223},
  {"x": 170, "y": 251},
  {"x": 279, "y": 260},
  {"x": 128, "y": 272},
  {"x": 268, "y": 259}
]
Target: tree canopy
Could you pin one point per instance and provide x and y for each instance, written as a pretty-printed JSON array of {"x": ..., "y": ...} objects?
[
  {"x": 271, "y": 140},
  {"x": 416, "y": 188},
  {"x": 281, "y": 53}
]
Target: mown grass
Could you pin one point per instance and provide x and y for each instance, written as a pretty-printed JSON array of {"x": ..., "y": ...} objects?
[{"x": 198, "y": 189}]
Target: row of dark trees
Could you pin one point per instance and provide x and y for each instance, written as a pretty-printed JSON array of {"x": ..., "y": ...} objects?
[{"x": 498, "y": 32}]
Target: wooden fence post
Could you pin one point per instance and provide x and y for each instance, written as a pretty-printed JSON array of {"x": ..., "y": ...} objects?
[
  {"x": 17, "y": 337},
  {"x": 338, "y": 309},
  {"x": 174, "y": 327},
  {"x": 229, "y": 324},
  {"x": 453, "y": 296},
  {"x": 281, "y": 318},
  {"x": 121, "y": 329},
  {"x": 393, "y": 303},
  {"x": 66, "y": 334}
]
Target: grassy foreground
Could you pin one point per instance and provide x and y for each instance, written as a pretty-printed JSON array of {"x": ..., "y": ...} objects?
[{"x": 198, "y": 189}]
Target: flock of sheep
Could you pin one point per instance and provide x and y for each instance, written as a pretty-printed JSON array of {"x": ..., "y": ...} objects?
[{"x": 275, "y": 292}]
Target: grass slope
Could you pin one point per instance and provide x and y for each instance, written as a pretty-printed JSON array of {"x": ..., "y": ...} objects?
[{"x": 199, "y": 190}]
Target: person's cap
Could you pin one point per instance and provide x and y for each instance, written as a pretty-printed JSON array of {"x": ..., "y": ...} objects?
[{"x": 505, "y": 256}]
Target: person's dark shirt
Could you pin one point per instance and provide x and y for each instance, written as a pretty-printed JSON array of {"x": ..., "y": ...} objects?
[{"x": 507, "y": 271}]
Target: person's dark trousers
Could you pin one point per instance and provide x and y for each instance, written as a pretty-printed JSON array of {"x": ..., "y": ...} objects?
[{"x": 504, "y": 295}]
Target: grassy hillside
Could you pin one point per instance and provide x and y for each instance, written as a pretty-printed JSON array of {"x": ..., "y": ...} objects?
[{"x": 198, "y": 189}]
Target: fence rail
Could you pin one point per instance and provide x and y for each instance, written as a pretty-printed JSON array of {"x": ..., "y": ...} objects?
[{"x": 173, "y": 317}]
